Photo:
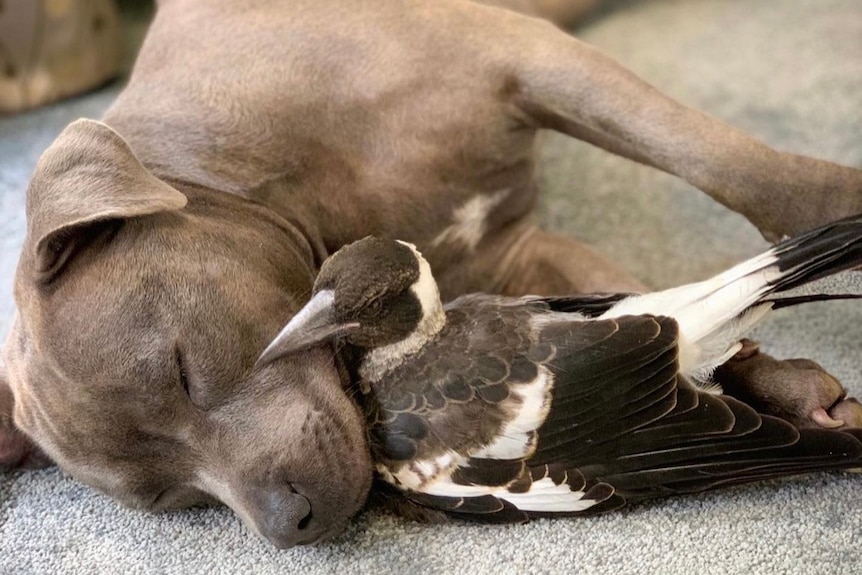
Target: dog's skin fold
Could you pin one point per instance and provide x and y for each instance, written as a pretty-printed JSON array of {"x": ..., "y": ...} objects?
[{"x": 168, "y": 244}]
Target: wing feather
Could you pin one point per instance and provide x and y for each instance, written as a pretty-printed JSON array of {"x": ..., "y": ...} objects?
[{"x": 619, "y": 422}]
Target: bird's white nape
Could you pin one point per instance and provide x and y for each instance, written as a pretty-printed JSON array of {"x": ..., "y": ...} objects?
[
  {"x": 382, "y": 359},
  {"x": 425, "y": 288}
]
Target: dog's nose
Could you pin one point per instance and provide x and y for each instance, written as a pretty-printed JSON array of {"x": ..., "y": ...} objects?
[{"x": 285, "y": 517}]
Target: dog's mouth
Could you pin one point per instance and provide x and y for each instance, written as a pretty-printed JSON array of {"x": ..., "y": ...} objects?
[
  {"x": 326, "y": 486},
  {"x": 286, "y": 515},
  {"x": 325, "y": 536}
]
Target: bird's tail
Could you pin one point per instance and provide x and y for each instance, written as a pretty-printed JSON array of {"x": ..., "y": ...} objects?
[{"x": 713, "y": 315}]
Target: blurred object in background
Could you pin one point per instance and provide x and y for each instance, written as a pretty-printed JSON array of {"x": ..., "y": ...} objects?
[{"x": 52, "y": 49}]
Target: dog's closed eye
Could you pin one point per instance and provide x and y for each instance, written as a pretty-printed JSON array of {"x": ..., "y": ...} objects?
[{"x": 182, "y": 373}]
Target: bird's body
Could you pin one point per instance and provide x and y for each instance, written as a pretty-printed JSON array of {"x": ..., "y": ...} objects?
[{"x": 509, "y": 408}]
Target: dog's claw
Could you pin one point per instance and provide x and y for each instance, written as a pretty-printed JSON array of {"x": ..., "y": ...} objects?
[{"x": 823, "y": 419}]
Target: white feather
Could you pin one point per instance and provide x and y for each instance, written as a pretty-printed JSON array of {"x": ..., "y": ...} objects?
[
  {"x": 516, "y": 439},
  {"x": 419, "y": 473},
  {"x": 712, "y": 315},
  {"x": 530, "y": 401},
  {"x": 543, "y": 496}
]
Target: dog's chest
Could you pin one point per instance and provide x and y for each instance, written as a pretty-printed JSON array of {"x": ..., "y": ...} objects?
[{"x": 368, "y": 128}]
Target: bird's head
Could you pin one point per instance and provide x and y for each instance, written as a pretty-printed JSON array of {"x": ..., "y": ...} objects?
[{"x": 373, "y": 293}]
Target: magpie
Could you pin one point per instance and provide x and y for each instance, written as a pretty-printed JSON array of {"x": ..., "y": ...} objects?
[{"x": 504, "y": 409}]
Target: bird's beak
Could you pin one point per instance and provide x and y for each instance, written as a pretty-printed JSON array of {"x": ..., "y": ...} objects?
[{"x": 315, "y": 323}]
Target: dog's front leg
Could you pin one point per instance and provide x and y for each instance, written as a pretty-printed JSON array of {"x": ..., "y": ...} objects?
[{"x": 560, "y": 83}]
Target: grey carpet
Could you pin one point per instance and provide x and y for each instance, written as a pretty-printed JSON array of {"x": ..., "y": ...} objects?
[{"x": 789, "y": 71}]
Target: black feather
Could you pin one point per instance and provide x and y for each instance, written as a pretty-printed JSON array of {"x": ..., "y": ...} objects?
[
  {"x": 821, "y": 252},
  {"x": 489, "y": 472}
]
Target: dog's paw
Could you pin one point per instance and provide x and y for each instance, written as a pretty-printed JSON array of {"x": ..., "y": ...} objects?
[
  {"x": 797, "y": 390},
  {"x": 848, "y": 410}
]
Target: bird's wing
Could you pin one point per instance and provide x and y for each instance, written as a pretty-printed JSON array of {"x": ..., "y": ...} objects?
[
  {"x": 622, "y": 425},
  {"x": 453, "y": 396}
]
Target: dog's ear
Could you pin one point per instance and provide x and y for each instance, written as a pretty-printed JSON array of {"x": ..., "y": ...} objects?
[
  {"x": 16, "y": 449},
  {"x": 88, "y": 178}
]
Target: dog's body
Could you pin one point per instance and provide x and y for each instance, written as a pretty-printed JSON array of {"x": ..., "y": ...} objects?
[{"x": 407, "y": 119}]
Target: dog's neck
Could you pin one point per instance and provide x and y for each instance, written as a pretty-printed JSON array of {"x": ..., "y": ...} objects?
[{"x": 274, "y": 195}]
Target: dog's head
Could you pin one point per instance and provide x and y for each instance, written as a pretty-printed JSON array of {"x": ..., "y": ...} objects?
[{"x": 141, "y": 311}]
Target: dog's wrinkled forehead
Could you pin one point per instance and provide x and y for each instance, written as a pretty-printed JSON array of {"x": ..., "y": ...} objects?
[
  {"x": 148, "y": 289},
  {"x": 123, "y": 320}
]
